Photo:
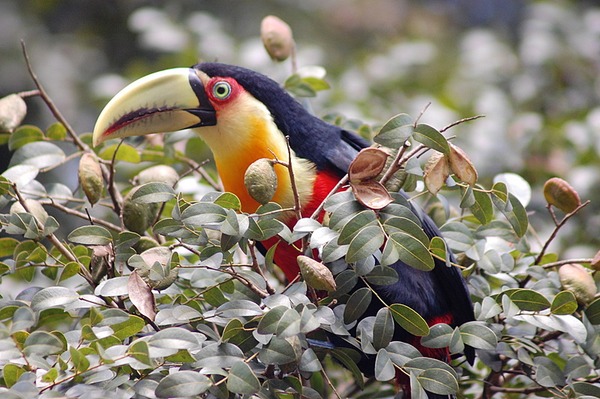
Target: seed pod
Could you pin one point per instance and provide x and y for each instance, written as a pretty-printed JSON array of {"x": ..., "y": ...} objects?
[
  {"x": 316, "y": 274},
  {"x": 260, "y": 180},
  {"x": 461, "y": 165},
  {"x": 90, "y": 177},
  {"x": 12, "y": 112},
  {"x": 577, "y": 279},
  {"x": 138, "y": 216},
  {"x": 158, "y": 173},
  {"x": 436, "y": 172},
  {"x": 277, "y": 38},
  {"x": 560, "y": 194}
]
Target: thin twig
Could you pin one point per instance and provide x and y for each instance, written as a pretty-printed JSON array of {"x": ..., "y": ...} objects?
[
  {"x": 558, "y": 226},
  {"x": 54, "y": 240},
  {"x": 293, "y": 180},
  {"x": 256, "y": 266},
  {"x": 93, "y": 220},
  {"x": 463, "y": 120},
  {"x": 334, "y": 190}
]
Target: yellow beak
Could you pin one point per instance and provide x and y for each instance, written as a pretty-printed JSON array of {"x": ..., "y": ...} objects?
[{"x": 164, "y": 101}]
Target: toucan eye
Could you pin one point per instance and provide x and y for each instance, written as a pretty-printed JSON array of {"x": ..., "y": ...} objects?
[{"x": 221, "y": 90}]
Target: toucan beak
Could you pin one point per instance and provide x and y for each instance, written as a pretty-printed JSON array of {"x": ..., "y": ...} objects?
[{"x": 164, "y": 101}]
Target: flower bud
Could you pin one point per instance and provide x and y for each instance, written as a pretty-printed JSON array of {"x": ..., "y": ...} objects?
[
  {"x": 90, "y": 177},
  {"x": 260, "y": 180},
  {"x": 12, "y": 112},
  {"x": 560, "y": 194},
  {"x": 158, "y": 173},
  {"x": 138, "y": 216},
  {"x": 277, "y": 38},
  {"x": 577, "y": 279}
]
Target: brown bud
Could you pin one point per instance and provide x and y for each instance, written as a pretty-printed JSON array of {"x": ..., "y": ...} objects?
[
  {"x": 12, "y": 112},
  {"x": 436, "y": 172},
  {"x": 277, "y": 38},
  {"x": 560, "y": 194},
  {"x": 158, "y": 173},
  {"x": 461, "y": 165},
  {"x": 260, "y": 180},
  {"x": 90, "y": 177},
  {"x": 367, "y": 165},
  {"x": 577, "y": 279},
  {"x": 316, "y": 274}
]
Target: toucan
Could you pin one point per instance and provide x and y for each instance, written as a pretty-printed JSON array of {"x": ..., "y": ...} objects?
[{"x": 243, "y": 116}]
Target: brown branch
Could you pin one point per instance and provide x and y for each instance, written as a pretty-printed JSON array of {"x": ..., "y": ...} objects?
[
  {"x": 463, "y": 120},
  {"x": 256, "y": 266},
  {"x": 93, "y": 220},
  {"x": 334, "y": 190}
]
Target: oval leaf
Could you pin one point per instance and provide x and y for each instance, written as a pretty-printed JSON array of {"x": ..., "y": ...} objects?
[{"x": 410, "y": 320}]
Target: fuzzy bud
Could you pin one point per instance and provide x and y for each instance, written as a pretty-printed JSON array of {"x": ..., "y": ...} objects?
[
  {"x": 577, "y": 279},
  {"x": 158, "y": 173},
  {"x": 316, "y": 274},
  {"x": 12, "y": 112},
  {"x": 277, "y": 38},
  {"x": 560, "y": 194},
  {"x": 90, "y": 177},
  {"x": 260, "y": 180}
]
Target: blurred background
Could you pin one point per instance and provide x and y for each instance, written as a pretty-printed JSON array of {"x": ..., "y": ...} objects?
[{"x": 531, "y": 67}]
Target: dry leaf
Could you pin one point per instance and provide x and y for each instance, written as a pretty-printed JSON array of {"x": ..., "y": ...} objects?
[
  {"x": 461, "y": 165},
  {"x": 371, "y": 194},
  {"x": 436, "y": 172},
  {"x": 141, "y": 296},
  {"x": 367, "y": 165}
]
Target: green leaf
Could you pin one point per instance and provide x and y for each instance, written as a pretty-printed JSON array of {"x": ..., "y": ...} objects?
[
  {"x": 90, "y": 235},
  {"x": 513, "y": 210},
  {"x": 439, "y": 336},
  {"x": 383, "y": 329},
  {"x": 382, "y": 275},
  {"x": 153, "y": 192},
  {"x": 52, "y": 297},
  {"x": 350, "y": 364},
  {"x": 24, "y": 134},
  {"x": 40, "y": 154},
  {"x": 80, "y": 362},
  {"x": 438, "y": 381},
  {"x": 139, "y": 351},
  {"x": 355, "y": 224},
  {"x": 7, "y": 246},
  {"x": 410, "y": 320},
  {"x": 357, "y": 304},
  {"x": 203, "y": 214},
  {"x": 529, "y": 300},
  {"x": 124, "y": 152},
  {"x": 309, "y": 362},
  {"x": 174, "y": 337},
  {"x": 11, "y": 373},
  {"x": 564, "y": 303},
  {"x": 126, "y": 329},
  {"x": 229, "y": 201},
  {"x": 366, "y": 242},
  {"x": 222, "y": 355},
  {"x": 478, "y": 335},
  {"x": 56, "y": 131},
  {"x": 184, "y": 383},
  {"x": 278, "y": 351},
  {"x": 483, "y": 208},
  {"x": 593, "y": 312},
  {"x": 42, "y": 343},
  {"x": 263, "y": 229},
  {"x": 242, "y": 379},
  {"x": 384, "y": 368},
  {"x": 412, "y": 251},
  {"x": 432, "y": 138},
  {"x": 437, "y": 247},
  {"x": 406, "y": 225},
  {"x": 395, "y": 132},
  {"x": 547, "y": 373}
]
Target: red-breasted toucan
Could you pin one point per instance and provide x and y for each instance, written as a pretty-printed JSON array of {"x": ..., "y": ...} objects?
[{"x": 244, "y": 116}]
